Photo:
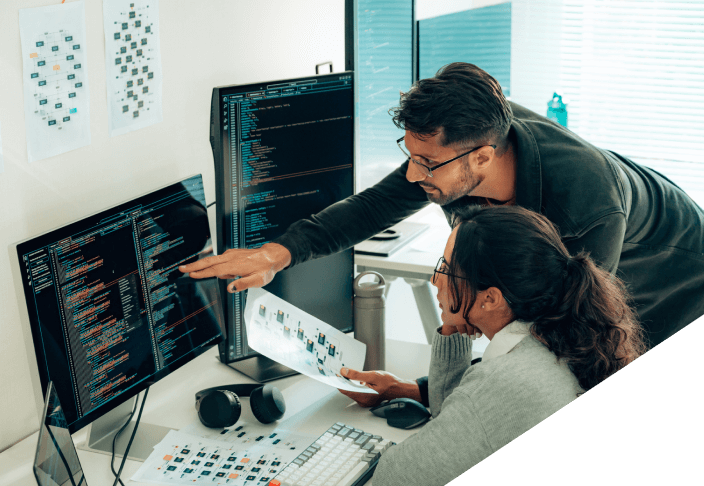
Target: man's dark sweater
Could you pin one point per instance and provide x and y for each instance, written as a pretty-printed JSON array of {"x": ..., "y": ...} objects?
[{"x": 633, "y": 221}]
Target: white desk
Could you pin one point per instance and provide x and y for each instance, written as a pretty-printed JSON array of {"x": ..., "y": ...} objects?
[
  {"x": 414, "y": 263},
  {"x": 310, "y": 407}
]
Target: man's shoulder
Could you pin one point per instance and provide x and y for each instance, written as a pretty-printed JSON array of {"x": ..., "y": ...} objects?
[
  {"x": 572, "y": 172},
  {"x": 554, "y": 142}
]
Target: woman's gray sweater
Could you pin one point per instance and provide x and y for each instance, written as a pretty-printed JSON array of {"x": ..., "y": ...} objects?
[{"x": 477, "y": 409}]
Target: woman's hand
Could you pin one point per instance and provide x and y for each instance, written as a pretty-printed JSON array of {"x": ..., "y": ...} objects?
[
  {"x": 387, "y": 385},
  {"x": 450, "y": 329}
]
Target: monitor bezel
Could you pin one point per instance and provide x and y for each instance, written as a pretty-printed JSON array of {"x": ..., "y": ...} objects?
[{"x": 32, "y": 339}]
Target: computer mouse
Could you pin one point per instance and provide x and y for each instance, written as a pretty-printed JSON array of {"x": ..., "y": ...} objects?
[{"x": 402, "y": 413}]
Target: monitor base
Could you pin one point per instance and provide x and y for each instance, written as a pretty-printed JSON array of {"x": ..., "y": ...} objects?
[
  {"x": 262, "y": 369},
  {"x": 102, "y": 431}
]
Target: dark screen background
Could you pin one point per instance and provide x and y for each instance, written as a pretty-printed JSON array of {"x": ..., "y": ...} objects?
[
  {"x": 110, "y": 312},
  {"x": 286, "y": 153}
]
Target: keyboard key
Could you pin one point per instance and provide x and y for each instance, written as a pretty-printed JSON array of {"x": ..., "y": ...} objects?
[
  {"x": 354, "y": 474},
  {"x": 362, "y": 439}
]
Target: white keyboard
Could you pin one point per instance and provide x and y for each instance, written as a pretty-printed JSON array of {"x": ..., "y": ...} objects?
[{"x": 342, "y": 456}]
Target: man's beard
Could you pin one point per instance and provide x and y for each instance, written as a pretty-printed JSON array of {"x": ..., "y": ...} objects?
[{"x": 466, "y": 184}]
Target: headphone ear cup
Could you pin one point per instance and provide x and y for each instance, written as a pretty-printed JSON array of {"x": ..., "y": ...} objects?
[
  {"x": 267, "y": 404},
  {"x": 219, "y": 408}
]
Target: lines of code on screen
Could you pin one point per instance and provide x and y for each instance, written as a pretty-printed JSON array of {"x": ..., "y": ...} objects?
[
  {"x": 108, "y": 305},
  {"x": 288, "y": 154}
]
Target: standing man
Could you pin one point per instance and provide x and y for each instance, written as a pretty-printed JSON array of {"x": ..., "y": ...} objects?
[{"x": 466, "y": 144}]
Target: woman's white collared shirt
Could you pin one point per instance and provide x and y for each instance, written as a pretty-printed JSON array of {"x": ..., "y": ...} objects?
[{"x": 506, "y": 339}]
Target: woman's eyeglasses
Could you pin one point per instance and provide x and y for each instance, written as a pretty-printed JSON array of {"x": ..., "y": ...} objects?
[{"x": 441, "y": 267}]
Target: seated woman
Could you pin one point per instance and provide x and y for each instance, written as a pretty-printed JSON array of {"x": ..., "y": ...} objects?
[{"x": 558, "y": 326}]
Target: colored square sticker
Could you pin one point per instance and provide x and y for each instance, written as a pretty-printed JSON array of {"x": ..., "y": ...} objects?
[
  {"x": 56, "y": 67},
  {"x": 246, "y": 459},
  {"x": 168, "y": 457},
  {"x": 33, "y": 55},
  {"x": 233, "y": 476}
]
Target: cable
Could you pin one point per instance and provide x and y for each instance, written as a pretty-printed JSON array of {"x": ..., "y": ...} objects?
[
  {"x": 134, "y": 432},
  {"x": 129, "y": 419},
  {"x": 210, "y": 204}
]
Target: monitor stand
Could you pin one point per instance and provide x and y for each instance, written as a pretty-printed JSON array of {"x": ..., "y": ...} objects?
[
  {"x": 102, "y": 431},
  {"x": 262, "y": 369}
]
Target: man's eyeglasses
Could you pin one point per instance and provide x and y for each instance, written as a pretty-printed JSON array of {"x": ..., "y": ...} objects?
[
  {"x": 428, "y": 171},
  {"x": 441, "y": 267}
]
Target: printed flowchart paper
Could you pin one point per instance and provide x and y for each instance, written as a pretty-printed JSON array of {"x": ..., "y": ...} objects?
[
  {"x": 133, "y": 64},
  {"x": 294, "y": 338},
  {"x": 242, "y": 454},
  {"x": 55, "y": 78}
]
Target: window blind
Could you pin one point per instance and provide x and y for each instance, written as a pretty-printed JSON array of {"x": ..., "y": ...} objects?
[
  {"x": 383, "y": 68},
  {"x": 479, "y": 36},
  {"x": 633, "y": 73}
]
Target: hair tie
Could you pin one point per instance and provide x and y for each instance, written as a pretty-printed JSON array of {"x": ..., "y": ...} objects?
[{"x": 571, "y": 262}]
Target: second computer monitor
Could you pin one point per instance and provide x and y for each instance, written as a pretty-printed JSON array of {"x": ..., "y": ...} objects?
[
  {"x": 284, "y": 150},
  {"x": 108, "y": 309}
]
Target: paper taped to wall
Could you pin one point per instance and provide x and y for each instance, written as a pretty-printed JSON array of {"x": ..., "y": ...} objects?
[
  {"x": 294, "y": 338},
  {"x": 56, "y": 95},
  {"x": 133, "y": 64}
]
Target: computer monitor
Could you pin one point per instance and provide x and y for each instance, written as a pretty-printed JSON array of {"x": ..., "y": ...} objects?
[
  {"x": 109, "y": 311},
  {"x": 283, "y": 150}
]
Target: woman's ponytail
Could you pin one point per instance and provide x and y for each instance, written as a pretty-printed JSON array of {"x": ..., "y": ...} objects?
[{"x": 593, "y": 328}]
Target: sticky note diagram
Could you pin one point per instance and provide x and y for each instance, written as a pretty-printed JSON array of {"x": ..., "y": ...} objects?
[
  {"x": 133, "y": 64},
  {"x": 57, "y": 77},
  {"x": 56, "y": 95}
]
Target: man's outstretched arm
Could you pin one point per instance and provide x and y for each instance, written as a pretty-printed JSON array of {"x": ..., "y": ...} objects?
[{"x": 334, "y": 229}]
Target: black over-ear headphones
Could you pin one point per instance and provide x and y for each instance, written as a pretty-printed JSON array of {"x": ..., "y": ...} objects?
[{"x": 220, "y": 406}]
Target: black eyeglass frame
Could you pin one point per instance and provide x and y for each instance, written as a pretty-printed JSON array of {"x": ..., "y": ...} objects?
[
  {"x": 428, "y": 171},
  {"x": 437, "y": 270}
]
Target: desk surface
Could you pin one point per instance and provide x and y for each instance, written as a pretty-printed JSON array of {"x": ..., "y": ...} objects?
[
  {"x": 310, "y": 407},
  {"x": 420, "y": 255}
]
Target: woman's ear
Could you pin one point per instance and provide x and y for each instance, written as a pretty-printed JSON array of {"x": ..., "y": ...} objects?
[{"x": 492, "y": 299}]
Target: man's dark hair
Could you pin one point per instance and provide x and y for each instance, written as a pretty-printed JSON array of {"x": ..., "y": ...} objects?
[{"x": 461, "y": 102}]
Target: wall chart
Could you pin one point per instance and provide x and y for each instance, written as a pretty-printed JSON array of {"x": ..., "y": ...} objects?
[
  {"x": 133, "y": 64},
  {"x": 56, "y": 95}
]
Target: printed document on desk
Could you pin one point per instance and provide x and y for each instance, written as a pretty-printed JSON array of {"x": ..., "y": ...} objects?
[
  {"x": 294, "y": 338},
  {"x": 240, "y": 455}
]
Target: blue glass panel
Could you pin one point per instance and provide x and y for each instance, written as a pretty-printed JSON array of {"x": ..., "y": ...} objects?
[
  {"x": 479, "y": 36},
  {"x": 383, "y": 68}
]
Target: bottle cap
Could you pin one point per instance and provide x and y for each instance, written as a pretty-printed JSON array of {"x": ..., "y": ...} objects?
[{"x": 369, "y": 289}]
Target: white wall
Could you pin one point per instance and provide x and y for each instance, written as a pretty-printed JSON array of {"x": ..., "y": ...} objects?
[{"x": 204, "y": 44}]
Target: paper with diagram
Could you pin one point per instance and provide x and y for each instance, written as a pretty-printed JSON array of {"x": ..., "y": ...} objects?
[
  {"x": 56, "y": 95},
  {"x": 294, "y": 338},
  {"x": 133, "y": 64},
  {"x": 238, "y": 455}
]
